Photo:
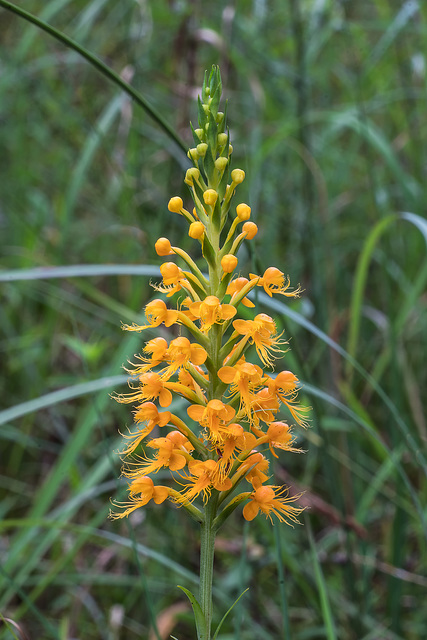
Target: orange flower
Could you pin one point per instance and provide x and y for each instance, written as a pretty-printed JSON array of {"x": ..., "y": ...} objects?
[
  {"x": 156, "y": 313},
  {"x": 172, "y": 452},
  {"x": 158, "y": 348},
  {"x": 278, "y": 436},
  {"x": 215, "y": 415},
  {"x": 285, "y": 387},
  {"x": 146, "y": 412},
  {"x": 260, "y": 465},
  {"x": 186, "y": 303},
  {"x": 264, "y": 406},
  {"x": 204, "y": 476},
  {"x": 270, "y": 500},
  {"x": 235, "y": 439},
  {"x": 244, "y": 379},
  {"x": 186, "y": 379},
  {"x": 274, "y": 281},
  {"x": 173, "y": 277},
  {"x": 144, "y": 487},
  {"x": 182, "y": 353},
  {"x": 235, "y": 287},
  {"x": 260, "y": 332},
  {"x": 210, "y": 312},
  {"x": 152, "y": 386}
]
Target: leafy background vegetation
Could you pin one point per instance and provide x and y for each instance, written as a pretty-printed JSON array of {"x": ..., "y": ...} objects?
[{"x": 327, "y": 117}]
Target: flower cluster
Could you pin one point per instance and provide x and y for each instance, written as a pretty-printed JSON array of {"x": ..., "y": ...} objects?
[{"x": 233, "y": 403}]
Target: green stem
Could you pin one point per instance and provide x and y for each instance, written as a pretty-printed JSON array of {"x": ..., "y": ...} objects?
[{"x": 207, "y": 550}]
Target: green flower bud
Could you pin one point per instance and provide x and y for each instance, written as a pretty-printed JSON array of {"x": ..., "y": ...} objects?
[
  {"x": 222, "y": 139},
  {"x": 191, "y": 175},
  {"x": 192, "y": 154},
  {"x": 221, "y": 163},
  {"x": 201, "y": 149},
  {"x": 238, "y": 175}
]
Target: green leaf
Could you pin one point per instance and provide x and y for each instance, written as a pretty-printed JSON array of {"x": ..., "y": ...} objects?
[
  {"x": 226, "y": 614},
  {"x": 321, "y": 585},
  {"x": 198, "y": 613}
]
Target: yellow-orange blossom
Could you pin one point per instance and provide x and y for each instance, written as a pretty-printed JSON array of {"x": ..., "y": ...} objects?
[{"x": 232, "y": 403}]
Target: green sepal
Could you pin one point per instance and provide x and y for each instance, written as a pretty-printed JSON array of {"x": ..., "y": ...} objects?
[
  {"x": 192, "y": 266},
  {"x": 222, "y": 125},
  {"x": 202, "y": 117},
  {"x": 201, "y": 168},
  {"x": 228, "y": 346},
  {"x": 206, "y": 85},
  {"x": 199, "y": 193},
  {"x": 216, "y": 97},
  {"x": 198, "y": 613},
  {"x": 237, "y": 243},
  {"x": 208, "y": 251},
  {"x": 240, "y": 351},
  {"x": 224, "y": 284},
  {"x": 251, "y": 284},
  {"x": 226, "y": 614},
  {"x": 223, "y": 183},
  {"x": 235, "y": 502},
  {"x": 209, "y": 165},
  {"x": 216, "y": 215},
  {"x": 195, "y": 136},
  {"x": 194, "y": 281},
  {"x": 226, "y": 247},
  {"x": 212, "y": 132},
  {"x": 224, "y": 152},
  {"x": 215, "y": 80},
  {"x": 201, "y": 381}
]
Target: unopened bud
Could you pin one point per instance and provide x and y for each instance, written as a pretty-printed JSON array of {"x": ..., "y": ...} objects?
[
  {"x": 201, "y": 149},
  {"x": 163, "y": 247},
  {"x": 221, "y": 163},
  {"x": 210, "y": 196},
  {"x": 243, "y": 211},
  {"x": 192, "y": 154},
  {"x": 175, "y": 204},
  {"x": 250, "y": 229},
  {"x": 196, "y": 230},
  {"x": 229, "y": 263},
  {"x": 191, "y": 175},
  {"x": 222, "y": 139},
  {"x": 230, "y": 149},
  {"x": 237, "y": 176},
  {"x": 199, "y": 133},
  {"x": 169, "y": 270}
]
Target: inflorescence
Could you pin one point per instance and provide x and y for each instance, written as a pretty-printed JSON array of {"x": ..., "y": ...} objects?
[{"x": 233, "y": 403}]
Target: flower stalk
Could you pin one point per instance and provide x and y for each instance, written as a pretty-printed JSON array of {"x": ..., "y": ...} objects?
[{"x": 233, "y": 403}]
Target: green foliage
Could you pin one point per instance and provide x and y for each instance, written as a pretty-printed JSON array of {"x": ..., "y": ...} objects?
[{"x": 326, "y": 118}]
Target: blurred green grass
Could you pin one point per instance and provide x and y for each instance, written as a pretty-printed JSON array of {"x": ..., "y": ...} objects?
[{"x": 327, "y": 118}]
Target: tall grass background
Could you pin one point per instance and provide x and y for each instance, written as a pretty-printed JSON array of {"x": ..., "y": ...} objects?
[{"x": 328, "y": 118}]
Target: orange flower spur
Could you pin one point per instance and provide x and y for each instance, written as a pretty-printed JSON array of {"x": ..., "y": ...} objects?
[{"x": 232, "y": 418}]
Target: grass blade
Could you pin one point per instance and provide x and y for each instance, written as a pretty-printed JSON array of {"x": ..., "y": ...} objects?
[
  {"x": 100, "y": 66},
  {"x": 322, "y": 588}
]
